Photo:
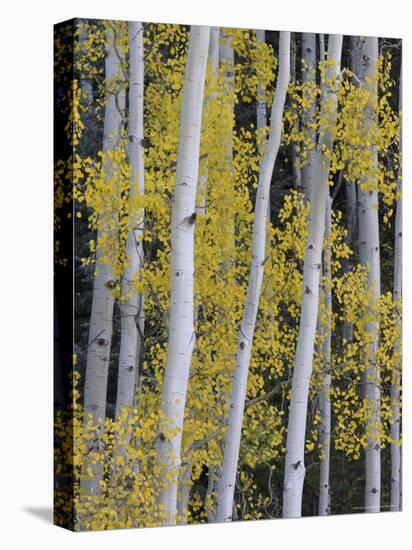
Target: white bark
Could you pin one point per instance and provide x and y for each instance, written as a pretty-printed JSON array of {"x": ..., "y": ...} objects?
[
  {"x": 181, "y": 329},
  {"x": 214, "y": 49},
  {"x": 184, "y": 492},
  {"x": 297, "y": 172},
  {"x": 214, "y": 64},
  {"x": 226, "y": 482},
  {"x": 209, "y": 497},
  {"x": 261, "y": 103},
  {"x": 100, "y": 328},
  {"x": 324, "y": 397},
  {"x": 295, "y": 444},
  {"x": 309, "y": 80},
  {"x": 396, "y": 467},
  {"x": 369, "y": 257},
  {"x": 227, "y": 60},
  {"x": 132, "y": 317}
]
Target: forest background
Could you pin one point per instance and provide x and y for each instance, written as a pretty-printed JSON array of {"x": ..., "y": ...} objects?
[{"x": 34, "y": 473}]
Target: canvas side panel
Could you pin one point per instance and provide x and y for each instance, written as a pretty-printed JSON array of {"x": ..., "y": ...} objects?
[{"x": 63, "y": 275}]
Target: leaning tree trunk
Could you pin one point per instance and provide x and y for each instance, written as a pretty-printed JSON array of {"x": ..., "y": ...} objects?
[
  {"x": 308, "y": 118},
  {"x": 226, "y": 482},
  {"x": 295, "y": 443},
  {"x": 181, "y": 328},
  {"x": 324, "y": 397},
  {"x": 369, "y": 257},
  {"x": 131, "y": 307},
  {"x": 396, "y": 466},
  {"x": 213, "y": 60}
]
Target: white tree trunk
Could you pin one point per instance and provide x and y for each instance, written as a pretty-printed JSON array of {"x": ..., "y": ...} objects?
[
  {"x": 132, "y": 315},
  {"x": 295, "y": 444},
  {"x": 181, "y": 329},
  {"x": 100, "y": 329},
  {"x": 101, "y": 318},
  {"x": 214, "y": 63},
  {"x": 226, "y": 482},
  {"x": 261, "y": 103},
  {"x": 396, "y": 467},
  {"x": 369, "y": 257},
  {"x": 324, "y": 397},
  {"x": 184, "y": 492},
  {"x": 227, "y": 60},
  {"x": 309, "y": 80}
]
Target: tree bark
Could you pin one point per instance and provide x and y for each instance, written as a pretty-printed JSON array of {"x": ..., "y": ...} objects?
[
  {"x": 100, "y": 331},
  {"x": 261, "y": 115},
  {"x": 181, "y": 328},
  {"x": 132, "y": 315},
  {"x": 297, "y": 171},
  {"x": 101, "y": 318},
  {"x": 214, "y": 64},
  {"x": 295, "y": 444},
  {"x": 226, "y": 482},
  {"x": 369, "y": 257},
  {"x": 308, "y": 119},
  {"x": 396, "y": 466},
  {"x": 324, "y": 397}
]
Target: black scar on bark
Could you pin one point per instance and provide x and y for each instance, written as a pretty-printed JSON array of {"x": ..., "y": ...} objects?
[{"x": 192, "y": 218}]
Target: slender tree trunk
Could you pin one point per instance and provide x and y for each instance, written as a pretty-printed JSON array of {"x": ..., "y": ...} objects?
[
  {"x": 214, "y": 63},
  {"x": 351, "y": 224},
  {"x": 209, "y": 498},
  {"x": 226, "y": 482},
  {"x": 227, "y": 61},
  {"x": 322, "y": 48},
  {"x": 369, "y": 257},
  {"x": 261, "y": 114},
  {"x": 308, "y": 119},
  {"x": 351, "y": 206},
  {"x": 396, "y": 466},
  {"x": 297, "y": 171},
  {"x": 324, "y": 397},
  {"x": 181, "y": 329},
  {"x": 295, "y": 444},
  {"x": 101, "y": 319},
  {"x": 100, "y": 331},
  {"x": 132, "y": 316},
  {"x": 184, "y": 492}
]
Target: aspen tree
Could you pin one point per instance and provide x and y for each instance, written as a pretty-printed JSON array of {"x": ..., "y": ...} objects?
[
  {"x": 297, "y": 172},
  {"x": 131, "y": 307},
  {"x": 226, "y": 481},
  {"x": 213, "y": 66},
  {"x": 261, "y": 109},
  {"x": 351, "y": 207},
  {"x": 295, "y": 444},
  {"x": 369, "y": 257},
  {"x": 396, "y": 463},
  {"x": 101, "y": 318},
  {"x": 181, "y": 339},
  {"x": 324, "y": 397},
  {"x": 308, "y": 117}
]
